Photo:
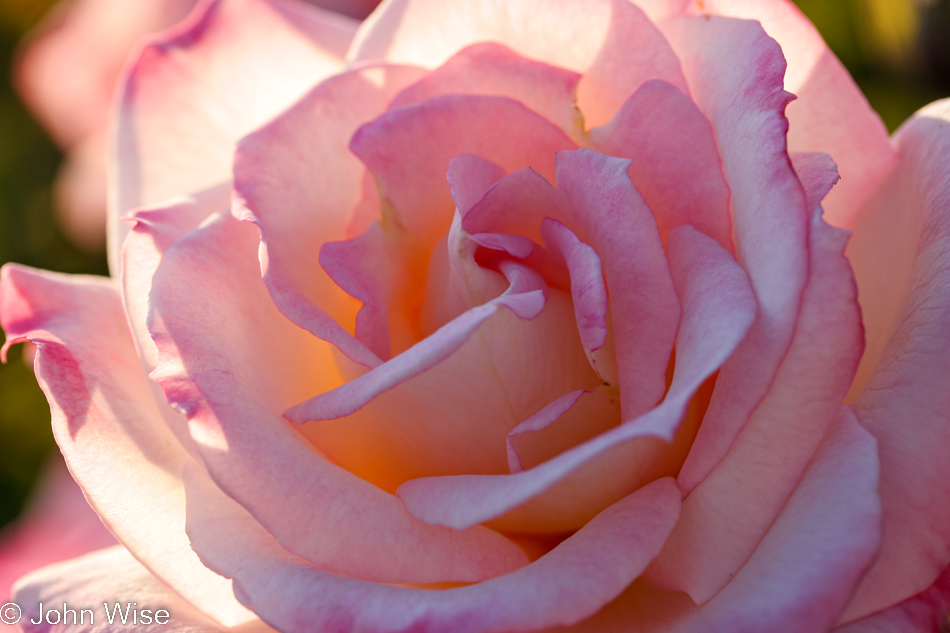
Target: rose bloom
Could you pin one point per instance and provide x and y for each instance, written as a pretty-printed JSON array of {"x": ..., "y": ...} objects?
[{"x": 498, "y": 315}]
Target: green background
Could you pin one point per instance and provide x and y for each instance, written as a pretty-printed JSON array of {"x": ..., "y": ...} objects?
[{"x": 892, "y": 47}]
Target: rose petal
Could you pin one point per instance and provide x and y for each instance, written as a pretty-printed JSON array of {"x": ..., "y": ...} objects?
[
  {"x": 106, "y": 423},
  {"x": 735, "y": 73},
  {"x": 97, "y": 582},
  {"x": 190, "y": 94},
  {"x": 409, "y": 150},
  {"x": 830, "y": 114},
  {"x": 905, "y": 403},
  {"x": 488, "y": 68},
  {"x": 726, "y": 516},
  {"x": 924, "y": 613},
  {"x": 567, "y": 585},
  {"x": 563, "y": 492},
  {"x": 232, "y": 363},
  {"x": 296, "y": 179},
  {"x": 674, "y": 161},
  {"x": 803, "y": 572},
  {"x": 613, "y": 44}
]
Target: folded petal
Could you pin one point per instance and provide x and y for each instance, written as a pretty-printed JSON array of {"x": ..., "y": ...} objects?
[
  {"x": 190, "y": 94},
  {"x": 804, "y": 571},
  {"x": 58, "y": 524},
  {"x": 97, "y": 583},
  {"x": 612, "y": 42},
  {"x": 232, "y": 363},
  {"x": 489, "y": 68},
  {"x": 565, "y": 586},
  {"x": 924, "y": 613},
  {"x": 831, "y": 114},
  {"x": 409, "y": 149},
  {"x": 905, "y": 403},
  {"x": 726, "y": 516},
  {"x": 108, "y": 426},
  {"x": 564, "y": 492},
  {"x": 735, "y": 74},
  {"x": 674, "y": 161},
  {"x": 296, "y": 179}
]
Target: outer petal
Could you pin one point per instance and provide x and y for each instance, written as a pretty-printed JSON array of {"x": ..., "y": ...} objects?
[
  {"x": 232, "y": 363},
  {"x": 107, "y": 425},
  {"x": 567, "y": 585},
  {"x": 804, "y": 571},
  {"x": 296, "y": 179},
  {"x": 727, "y": 515},
  {"x": 612, "y": 42},
  {"x": 108, "y": 576},
  {"x": 906, "y": 403},
  {"x": 830, "y": 115},
  {"x": 191, "y": 94},
  {"x": 59, "y": 524},
  {"x": 735, "y": 72}
]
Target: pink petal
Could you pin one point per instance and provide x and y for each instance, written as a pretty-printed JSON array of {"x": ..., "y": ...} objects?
[
  {"x": 296, "y": 179},
  {"x": 567, "y": 585},
  {"x": 562, "y": 493},
  {"x": 488, "y": 68},
  {"x": 108, "y": 576},
  {"x": 674, "y": 161},
  {"x": 589, "y": 294},
  {"x": 906, "y": 401},
  {"x": 470, "y": 177},
  {"x": 409, "y": 150},
  {"x": 106, "y": 422},
  {"x": 190, "y": 94},
  {"x": 612, "y": 43},
  {"x": 735, "y": 74},
  {"x": 642, "y": 608},
  {"x": 803, "y": 573},
  {"x": 924, "y": 613},
  {"x": 232, "y": 363},
  {"x": 58, "y": 524},
  {"x": 726, "y": 516},
  {"x": 830, "y": 114},
  {"x": 607, "y": 212}
]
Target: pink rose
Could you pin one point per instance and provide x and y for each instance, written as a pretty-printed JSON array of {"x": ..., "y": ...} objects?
[{"x": 504, "y": 315}]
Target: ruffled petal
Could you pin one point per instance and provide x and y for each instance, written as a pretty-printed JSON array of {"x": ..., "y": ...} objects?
[
  {"x": 562, "y": 493},
  {"x": 735, "y": 73},
  {"x": 831, "y": 114},
  {"x": 232, "y": 364},
  {"x": 409, "y": 149},
  {"x": 674, "y": 161},
  {"x": 613, "y": 44},
  {"x": 804, "y": 571},
  {"x": 107, "y": 424},
  {"x": 97, "y": 583},
  {"x": 565, "y": 586},
  {"x": 296, "y": 179},
  {"x": 726, "y": 516},
  {"x": 190, "y": 94},
  {"x": 906, "y": 402}
]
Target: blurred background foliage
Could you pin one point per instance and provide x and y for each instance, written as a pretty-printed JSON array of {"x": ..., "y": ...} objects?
[{"x": 897, "y": 51}]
